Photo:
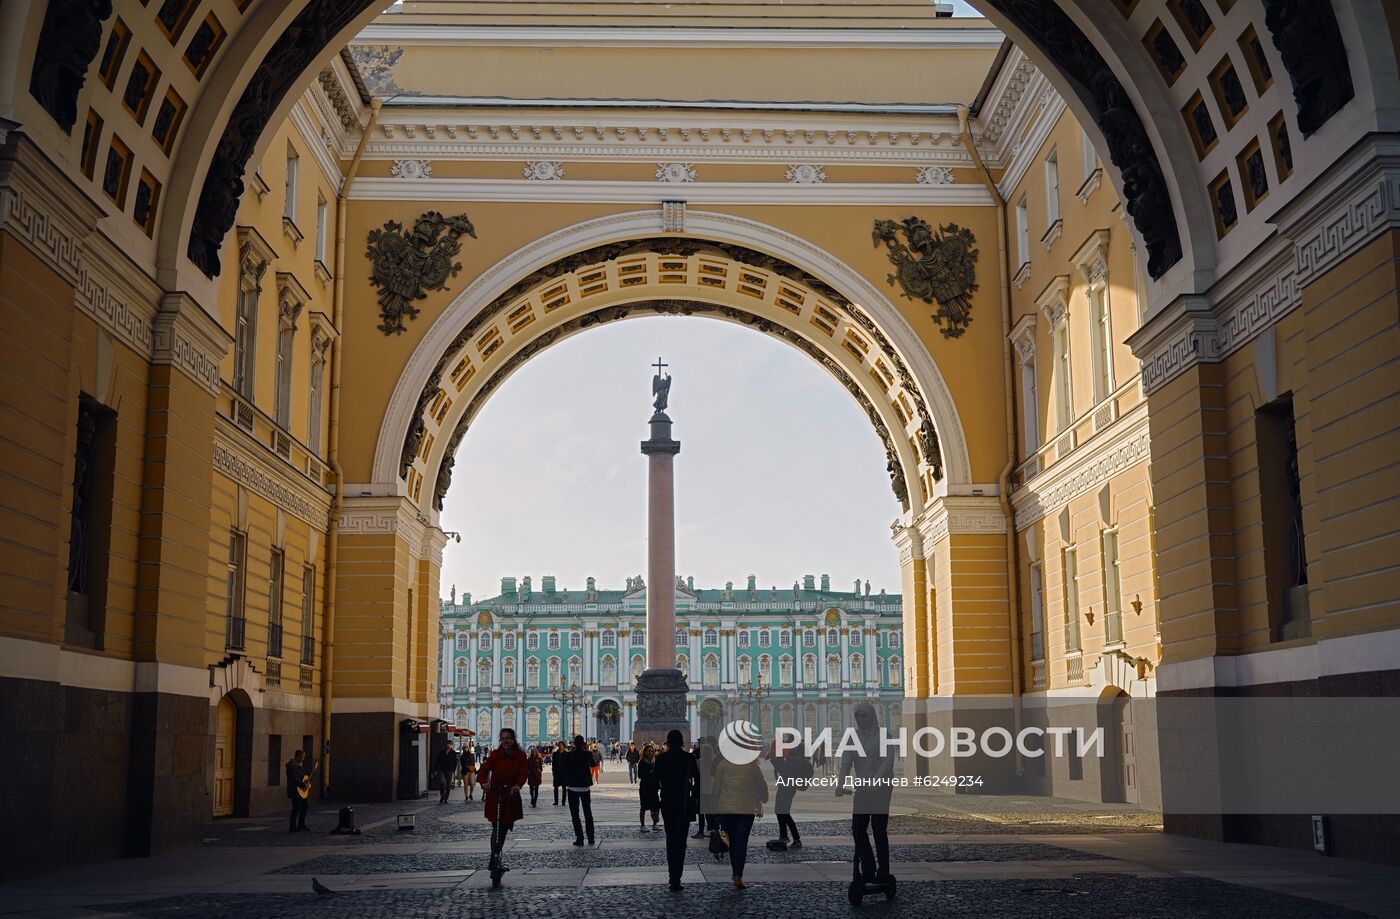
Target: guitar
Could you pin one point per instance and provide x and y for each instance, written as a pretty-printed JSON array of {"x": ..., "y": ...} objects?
[{"x": 304, "y": 786}]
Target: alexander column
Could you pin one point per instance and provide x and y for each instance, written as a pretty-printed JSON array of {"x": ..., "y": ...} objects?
[{"x": 661, "y": 689}]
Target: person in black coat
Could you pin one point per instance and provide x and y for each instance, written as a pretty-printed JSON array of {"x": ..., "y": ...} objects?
[
  {"x": 578, "y": 779},
  {"x": 445, "y": 767},
  {"x": 678, "y": 777},
  {"x": 298, "y": 779},
  {"x": 556, "y": 768}
]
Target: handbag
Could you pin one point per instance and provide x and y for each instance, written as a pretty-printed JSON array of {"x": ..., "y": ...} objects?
[{"x": 719, "y": 844}]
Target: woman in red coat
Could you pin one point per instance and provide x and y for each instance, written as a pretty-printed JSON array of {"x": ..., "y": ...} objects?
[{"x": 502, "y": 776}]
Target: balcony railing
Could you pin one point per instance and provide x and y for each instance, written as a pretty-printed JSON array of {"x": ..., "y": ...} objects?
[
  {"x": 234, "y": 633},
  {"x": 1074, "y": 668}
]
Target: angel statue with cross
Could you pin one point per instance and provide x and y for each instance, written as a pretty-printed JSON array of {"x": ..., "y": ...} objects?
[{"x": 660, "y": 387}]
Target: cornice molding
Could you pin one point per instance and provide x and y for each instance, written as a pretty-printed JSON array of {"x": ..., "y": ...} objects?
[
  {"x": 1092, "y": 257},
  {"x": 953, "y": 515},
  {"x": 185, "y": 336},
  {"x": 1023, "y": 338},
  {"x": 652, "y": 192},
  {"x": 385, "y": 31},
  {"x": 279, "y": 485},
  {"x": 383, "y": 515},
  {"x": 1053, "y": 300},
  {"x": 1126, "y": 444}
]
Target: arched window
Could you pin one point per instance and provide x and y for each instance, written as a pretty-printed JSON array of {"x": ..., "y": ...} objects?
[
  {"x": 711, "y": 638},
  {"x": 857, "y": 667},
  {"x": 638, "y": 665},
  {"x": 508, "y": 719},
  {"x": 552, "y": 721},
  {"x": 857, "y": 637},
  {"x": 833, "y": 668},
  {"x": 461, "y": 671},
  {"x": 765, "y": 670},
  {"x": 552, "y": 672},
  {"x": 483, "y": 673},
  {"x": 785, "y": 671},
  {"x": 743, "y": 637},
  {"x": 895, "y": 638},
  {"x": 638, "y": 638},
  {"x": 553, "y": 641},
  {"x": 833, "y": 638},
  {"x": 464, "y": 641},
  {"x": 532, "y": 640},
  {"x": 532, "y": 674},
  {"x": 711, "y": 673},
  {"x": 745, "y": 671},
  {"x": 609, "y": 638},
  {"x": 896, "y": 671},
  {"x": 575, "y": 640},
  {"x": 483, "y": 723},
  {"x": 809, "y": 638},
  {"x": 483, "y": 640},
  {"x": 508, "y": 641},
  {"x": 683, "y": 664},
  {"x": 508, "y": 673},
  {"x": 785, "y": 713},
  {"x": 460, "y": 717},
  {"x": 809, "y": 716},
  {"x": 785, "y": 638},
  {"x": 608, "y": 671},
  {"x": 575, "y": 671},
  {"x": 681, "y": 636},
  {"x": 765, "y": 637},
  {"x": 532, "y": 722},
  {"x": 809, "y": 669}
]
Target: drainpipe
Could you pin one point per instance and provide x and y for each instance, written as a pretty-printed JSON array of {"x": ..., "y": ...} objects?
[
  {"x": 333, "y": 455},
  {"x": 1013, "y": 571}
]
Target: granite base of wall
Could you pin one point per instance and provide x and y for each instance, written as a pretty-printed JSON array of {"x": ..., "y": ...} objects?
[{"x": 364, "y": 756}]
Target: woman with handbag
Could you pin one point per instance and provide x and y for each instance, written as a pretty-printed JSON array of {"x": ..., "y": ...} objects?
[
  {"x": 649, "y": 791},
  {"x": 739, "y": 795}
]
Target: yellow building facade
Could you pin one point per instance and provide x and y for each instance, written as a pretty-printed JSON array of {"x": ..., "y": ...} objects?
[{"x": 1141, "y": 448}]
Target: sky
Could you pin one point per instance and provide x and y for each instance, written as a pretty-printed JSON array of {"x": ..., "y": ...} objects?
[{"x": 779, "y": 474}]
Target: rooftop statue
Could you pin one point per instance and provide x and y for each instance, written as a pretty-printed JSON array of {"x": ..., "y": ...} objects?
[{"x": 660, "y": 387}]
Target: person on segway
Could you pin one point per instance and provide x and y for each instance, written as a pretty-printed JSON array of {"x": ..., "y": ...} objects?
[
  {"x": 503, "y": 774},
  {"x": 870, "y": 809}
]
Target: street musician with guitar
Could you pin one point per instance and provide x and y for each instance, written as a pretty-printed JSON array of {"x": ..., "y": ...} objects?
[{"x": 299, "y": 790}]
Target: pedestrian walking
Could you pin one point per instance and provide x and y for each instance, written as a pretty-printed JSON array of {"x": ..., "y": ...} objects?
[
  {"x": 793, "y": 769},
  {"x": 649, "y": 792},
  {"x": 678, "y": 785},
  {"x": 706, "y": 754},
  {"x": 446, "y": 768},
  {"x": 578, "y": 778},
  {"x": 597, "y": 753},
  {"x": 739, "y": 793},
  {"x": 299, "y": 790},
  {"x": 633, "y": 757},
  {"x": 502, "y": 776},
  {"x": 556, "y": 768},
  {"x": 469, "y": 761},
  {"x": 536, "y": 776},
  {"x": 870, "y": 808}
]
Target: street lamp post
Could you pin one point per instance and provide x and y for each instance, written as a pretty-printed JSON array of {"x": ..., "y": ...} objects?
[
  {"x": 568, "y": 698},
  {"x": 753, "y": 694}
]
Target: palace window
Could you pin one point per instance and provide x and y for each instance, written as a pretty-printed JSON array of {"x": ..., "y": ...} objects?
[
  {"x": 683, "y": 664},
  {"x": 895, "y": 638},
  {"x": 288, "y": 309},
  {"x": 308, "y": 614},
  {"x": 276, "y": 582},
  {"x": 1112, "y": 589},
  {"x": 682, "y": 637},
  {"x": 483, "y": 640},
  {"x": 638, "y": 665},
  {"x": 461, "y": 670},
  {"x": 1030, "y": 402},
  {"x": 575, "y": 671},
  {"x": 322, "y": 216},
  {"x": 1037, "y": 614},
  {"x": 743, "y": 637},
  {"x": 508, "y": 672},
  {"x": 711, "y": 639},
  {"x": 508, "y": 641},
  {"x": 857, "y": 668},
  {"x": 246, "y": 331},
  {"x": 483, "y": 672},
  {"x": 784, "y": 638},
  {"x": 1103, "y": 341},
  {"x": 553, "y": 642},
  {"x": 765, "y": 670},
  {"x": 532, "y": 640},
  {"x": 638, "y": 638},
  {"x": 857, "y": 636},
  {"x": 1064, "y": 406},
  {"x": 575, "y": 640},
  {"x": 320, "y": 342},
  {"x": 289, "y": 190},
  {"x": 508, "y": 718},
  {"x": 532, "y": 674},
  {"x": 833, "y": 637},
  {"x": 896, "y": 671},
  {"x": 532, "y": 722},
  {"x": 745, "y": 671},
  {"x": 483, "y": 723},
  {"x": 711, "y": 673},
  {"x": 809, "y": 669},
  {"x": 609, "y": 639},
  {"x": 552, "y": 671},
  {"x": 235, "y": 618},
  {"x": 833, "y": 668},
  {"x": 552, "y": 720},
  {"x": 608, "y": 671},
  {"x": 785, "y": 671},
  {"x": 809, "y": 638},
  {"x": 1070, "y": 561},
  {"x": 1052, "y": 187},
  {"x": 1023, "y": 233}
]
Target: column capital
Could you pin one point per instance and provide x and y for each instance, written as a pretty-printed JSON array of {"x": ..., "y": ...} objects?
[{"x": 951, "y": 515}]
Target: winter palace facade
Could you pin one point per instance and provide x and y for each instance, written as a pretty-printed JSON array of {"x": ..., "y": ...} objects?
[{"x": 794, "y": 655}]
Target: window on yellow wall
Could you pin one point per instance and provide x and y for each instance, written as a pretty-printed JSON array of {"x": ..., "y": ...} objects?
[
  {"x": 1052, "y": 187},
  {"x": 1064, "y": 404},
  {"x": 308, "y": 615},
  {"x": 1070, "y": 563},
  {"x": 322, "y": 211},
  {"x": 1112, "y": 589},
  {"x": 1023, "y": 233},
  {"x": 1088, "y": 156},
  {"x": 286, "y": 338},
  {"x": 275, "y": 583},
  {"x": 1102, "y": 331},
  {"x": 1037, "y": 613},
  {"x": 289, "y": 192},
  {"x": 1030, "y": 404}
]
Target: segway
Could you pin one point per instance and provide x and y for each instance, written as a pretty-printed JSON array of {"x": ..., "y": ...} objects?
[
  {"x": 861, "y": 888},
  {"x": 497, "y": 867}
]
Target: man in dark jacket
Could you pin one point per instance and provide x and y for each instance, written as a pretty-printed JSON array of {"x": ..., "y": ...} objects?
[
  {"x": 445, "y": 767},
  {"x": 634, "y": 756},
  {"x": 298, "y": 791},
  {"x": 556, "y": 768},
  {"x": 679, "y": 777},
  {"x": 578, "y": 779}
]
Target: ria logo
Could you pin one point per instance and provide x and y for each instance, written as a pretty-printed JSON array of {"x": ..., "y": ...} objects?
[{"x": 740, "y": 742}]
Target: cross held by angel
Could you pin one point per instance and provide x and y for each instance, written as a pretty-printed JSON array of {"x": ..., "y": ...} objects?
[{"x": 660, "y": 387}]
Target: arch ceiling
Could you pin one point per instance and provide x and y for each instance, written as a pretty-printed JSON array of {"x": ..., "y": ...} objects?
[{"x": 619, "y": 267}]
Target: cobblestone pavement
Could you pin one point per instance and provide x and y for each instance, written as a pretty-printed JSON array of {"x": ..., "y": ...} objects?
[
  {"x": 1070, "y": 898},
  {"x": 653, "y": 856}
]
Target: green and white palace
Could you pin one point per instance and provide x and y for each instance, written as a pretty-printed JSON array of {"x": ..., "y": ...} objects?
[{"x": 554, "y": 661}]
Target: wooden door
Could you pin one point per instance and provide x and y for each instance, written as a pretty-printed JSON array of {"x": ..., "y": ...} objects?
[
  {"x": 224, "y": 759},
  {"x": 1127, "y": 750}
]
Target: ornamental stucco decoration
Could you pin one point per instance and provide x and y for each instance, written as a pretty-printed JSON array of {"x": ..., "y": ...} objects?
[
  {"x": 69, "y": 39},
  {"x": 936, "y": 266},
  {"x": 408, "y": 264},
  {"x": 933, "y": 175},
  {"x": 675, "y": 172},
  {"x": 411, "y": 169},
  {"x": 805, "y": 174},
  {"x": 543, "y": 171}
]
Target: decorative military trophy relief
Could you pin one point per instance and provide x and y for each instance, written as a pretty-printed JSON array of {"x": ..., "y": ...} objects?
[
  {"x": 408, "y": 264},
  {"x": 661, "y": 689},
  {"x": 936, "y": 266}
]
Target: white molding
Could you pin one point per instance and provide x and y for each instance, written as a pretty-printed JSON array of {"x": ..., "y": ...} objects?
[
  {"x": 652, "y": 192},
  {"x": 385, "y": 31},
  {"x": 26, "y": 659},
  {"x": 311, "y": 133},
  {"x": 1127, "y": 444},
  {"x": 702, "y": 224},
  {"x": 952, "y": 515},
  {"x": 387, "y": 704},
  {"x": 282, "y": 486},
  {"x": 1364, "y": 653}
]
